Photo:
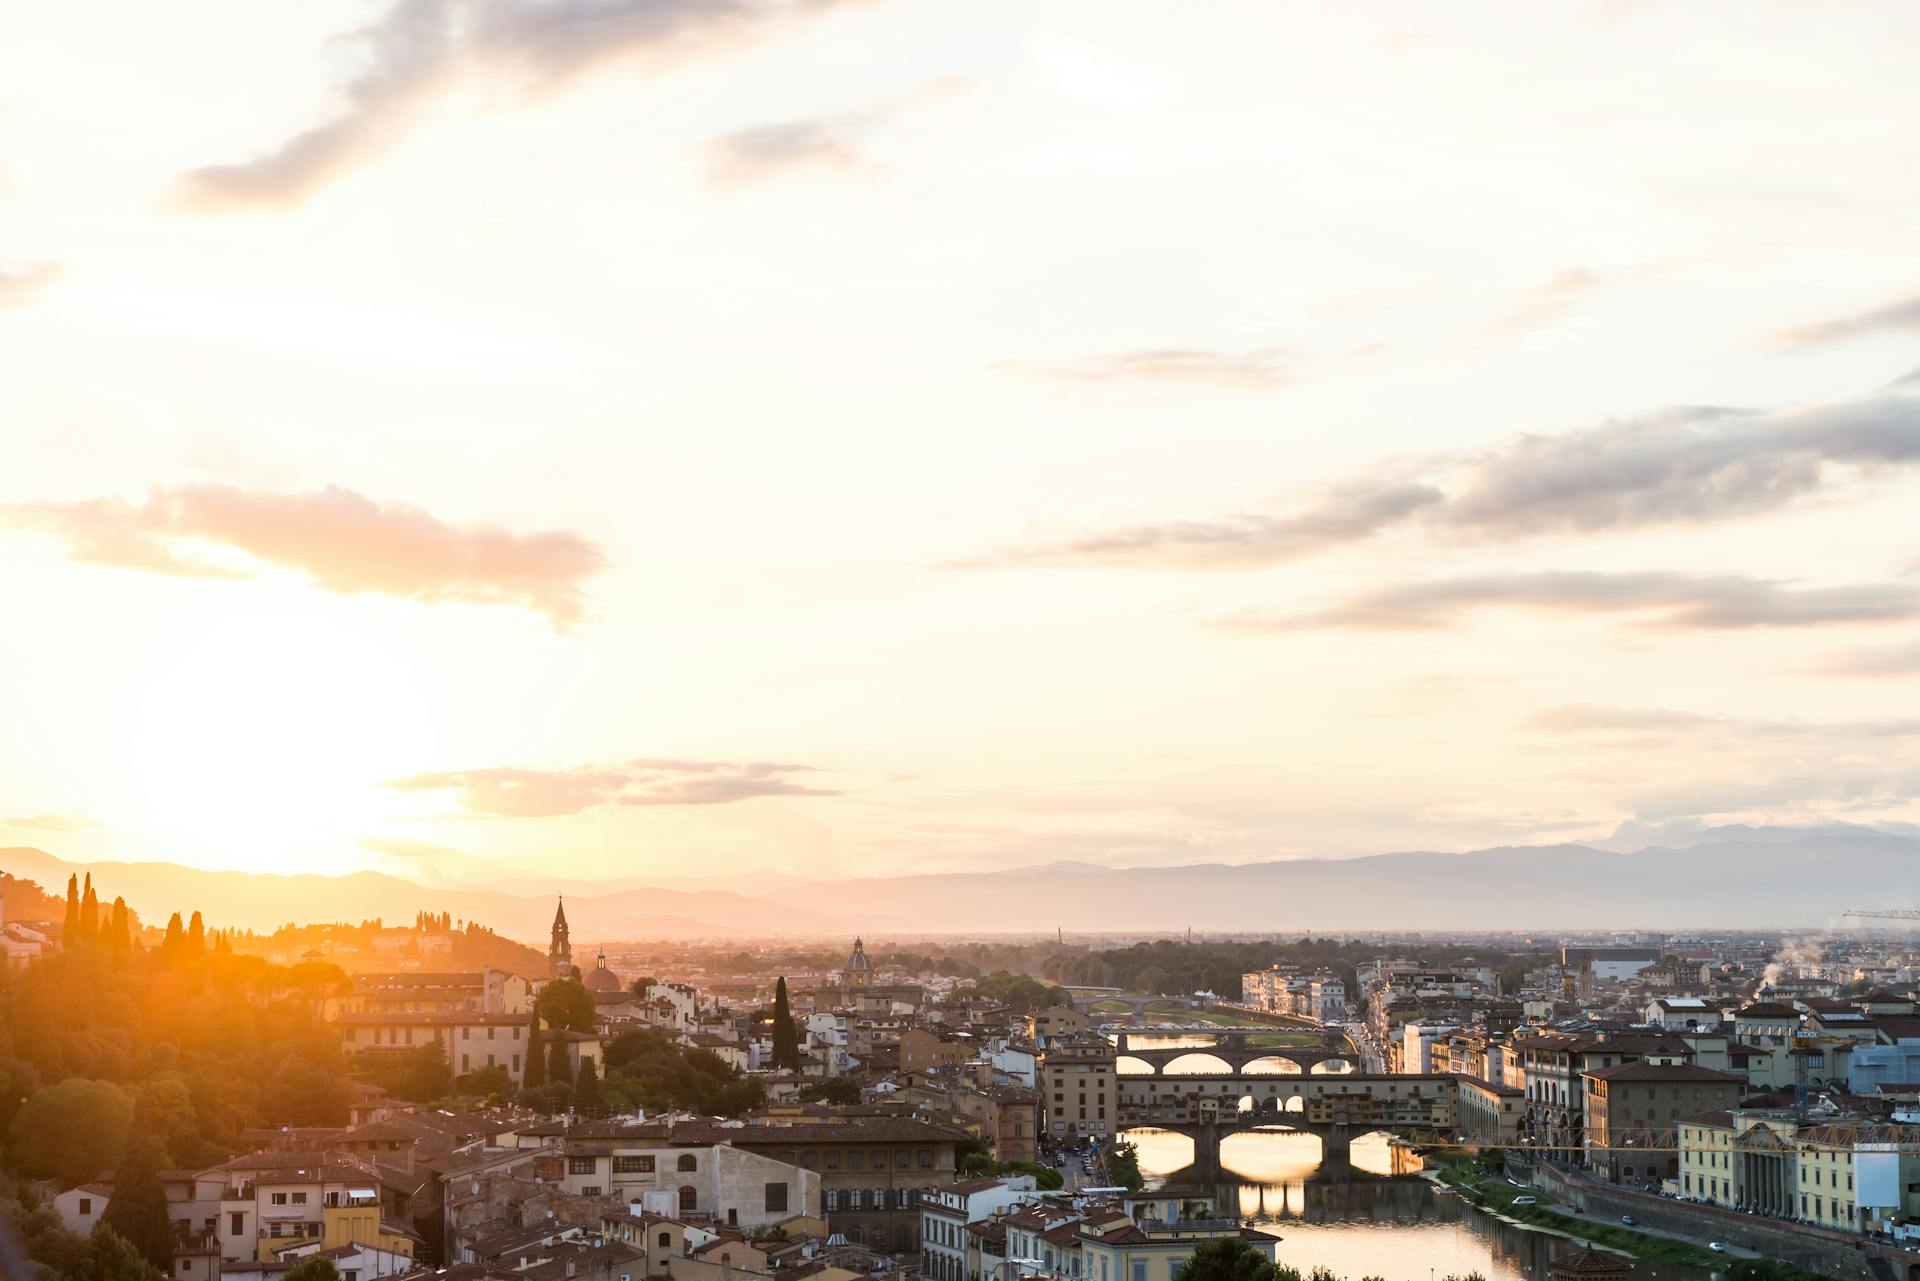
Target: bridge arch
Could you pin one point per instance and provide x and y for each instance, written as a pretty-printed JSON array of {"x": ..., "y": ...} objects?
[
  {"x": 1130, "y": 1065},
  {"x": 1335, "y": 1067},
  {"x": 1196, "y": 1063},
  {"x": 1271, "y": 1065}
]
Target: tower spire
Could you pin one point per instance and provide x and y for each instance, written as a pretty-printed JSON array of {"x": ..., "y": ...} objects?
[{"x": 560, "y": 950}]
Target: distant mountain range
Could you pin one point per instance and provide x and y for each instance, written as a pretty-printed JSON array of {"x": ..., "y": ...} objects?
[{"x": 1753, "y": 877}]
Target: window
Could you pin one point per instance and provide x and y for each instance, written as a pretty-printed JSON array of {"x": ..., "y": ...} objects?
[
  {"x": 582, "y": 1164},
  {"x": 688, "y": 1162},
  {"x": 589, "y": 1190},
  {"x": 279, "y": 1198},
  {"x": 666, "y": 1240},
  {"x": 299, "y": 1198},
  {"x": 776, "y": 1198},
  {"x": 689, "y": 1199},
  {"x": 86, "y": 1205},
  {"x": 926, "y": 1158},
  {"x": 633, "y": 1165},
  {"x": 236, "y": 1224}
]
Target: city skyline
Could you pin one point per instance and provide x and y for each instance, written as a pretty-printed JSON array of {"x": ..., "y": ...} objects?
[{"x": 491, "y": 442}]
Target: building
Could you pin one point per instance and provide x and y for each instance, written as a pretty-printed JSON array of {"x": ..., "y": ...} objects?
[
  {"x": 946, "y": 1212},
  {"x": 560, "y": 949},
  {"x": 858, "y": 970},
  {"x": 471, "y": 1041},
  {"x": 1061, "y": 1021},
  {"x": 1488, "y": 1111},
  {"x": 412, "y": 992},
  {"x": 1077, "y": 1088},
  {"x": 1633, "y": 1113}
]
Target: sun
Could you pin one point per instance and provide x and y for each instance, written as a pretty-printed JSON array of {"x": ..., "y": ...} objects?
[{"x": 262, "y": 743}]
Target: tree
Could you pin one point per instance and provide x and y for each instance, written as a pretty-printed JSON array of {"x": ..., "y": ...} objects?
[
  {"x": 89, "y": 912},
  {"x": 843, "y": 1090},
  {"x": 176, "y": 939},
  {"x": 120, "y": 927},
  {"x": 316, "y": 1268},
  {"x": 114, "y": 1258},
  {"x": 559, "y": 1065},
  {"x": 786, "y": 1037},
  {"x": 586, "y": 1090},
  {"x": 566, "y": 1003},
  {"x": 1227, "y": 1259},
  {"x": 535, "y": 1074},
  {"x": 70, "y": 930},
  {"x": 72, "y": 1130},
  {"x": 1123, "y": 1166},
  {"x": 137, "y": 1210},
  {"x": 196, "y": 938}
]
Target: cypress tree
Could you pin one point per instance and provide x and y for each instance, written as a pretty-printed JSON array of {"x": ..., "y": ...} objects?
[
  {"x": 559, "y": 1066},
  {"x": 176, "y": 939},
  {"x": 119, "y": 927},
  {"x": 196, "y": 938},
  {"x": 535, "y": 1074},
  {"x": 137, "y": 1210},
  {"x": 786, "y": 1037},
  {"x": 70, "y": 931},
  {"x": 586, "y": 1090},
  {"x": 89, "y": 912}
]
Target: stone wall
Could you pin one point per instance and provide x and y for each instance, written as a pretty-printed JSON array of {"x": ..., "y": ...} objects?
[{"x": 1842, "y": 1255}]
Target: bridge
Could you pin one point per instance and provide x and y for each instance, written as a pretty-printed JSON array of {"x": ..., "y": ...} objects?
[
  {"x": 1234, "y": 1047},
  {"x": 1336, "y": 1140},
  {"x": 1325, "y": 1103},
  {"x": 1085, "y": 998}
]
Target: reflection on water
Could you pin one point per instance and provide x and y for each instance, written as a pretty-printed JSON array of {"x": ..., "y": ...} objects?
[{"x": 1363, "y": 1214}]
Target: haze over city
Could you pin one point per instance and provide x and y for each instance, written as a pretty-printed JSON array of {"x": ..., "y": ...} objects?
[{"x": 499, "y": 444}]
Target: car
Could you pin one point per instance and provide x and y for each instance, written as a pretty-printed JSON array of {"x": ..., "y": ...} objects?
[
  {"x": 1718, "y": 1247},
  {"x": 1628, "y": 1219},
  {"x": 1526, "y": 1200}
]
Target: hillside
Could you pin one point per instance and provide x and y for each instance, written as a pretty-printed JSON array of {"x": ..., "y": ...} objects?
[{"x": 1752, "y": 878}]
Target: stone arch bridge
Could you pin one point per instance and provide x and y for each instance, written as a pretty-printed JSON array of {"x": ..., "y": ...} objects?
[{"x": 1234, "y": 1050}]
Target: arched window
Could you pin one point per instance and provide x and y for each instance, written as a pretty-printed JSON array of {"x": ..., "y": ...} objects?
[
  {"x": 666, "y": 1240},
  {"x": 689, "y": 1198},
  {"x": 689, "y": 1162}
]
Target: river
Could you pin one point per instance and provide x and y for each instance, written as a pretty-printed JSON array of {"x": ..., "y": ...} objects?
[{"x": 1369, "y": 1216}]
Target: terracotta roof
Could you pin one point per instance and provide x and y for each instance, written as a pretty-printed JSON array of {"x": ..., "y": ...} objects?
[{"x": 1663, "y": 1072}]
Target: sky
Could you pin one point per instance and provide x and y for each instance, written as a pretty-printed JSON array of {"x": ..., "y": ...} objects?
[{"x": 487, "y": 440}]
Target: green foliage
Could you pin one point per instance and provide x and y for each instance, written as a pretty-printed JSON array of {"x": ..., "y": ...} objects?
[
  {"x": 566, "y": 1003},
  {"x": 1123, "y": 1166},
  {"x": 72, "y": 1131},
  {"x": 1232, "y": 1259},
  {"x": 486, "y": 1082},
  {"x": 419, "y": 1074},
  {"x": 534, "y": 1075},
  {"x": 114, "y": 1258},
  {"x": 786, "y": 1036},
  {"x": 138, "y": 1208},
  {"x": 1022, "y": 993},
  {"x": 315, "y": 1268},
  {"x": 843, "y": 1091},
  {"x": 559, "y": 1066},
  {"x": 645, "y": 1070},
  {"x": 586, "y": 1091}
]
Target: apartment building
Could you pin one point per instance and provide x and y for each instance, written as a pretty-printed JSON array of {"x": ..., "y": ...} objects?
[{"x": 1077, "y": 1087}]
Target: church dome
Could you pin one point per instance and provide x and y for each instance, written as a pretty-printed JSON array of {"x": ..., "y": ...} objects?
[
  {"x": 857, "y": 963},
  {"x": 602, "y": 979}
]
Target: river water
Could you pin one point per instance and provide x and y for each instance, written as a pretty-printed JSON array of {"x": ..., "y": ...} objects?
[{"x": 1371, "y": 1215}]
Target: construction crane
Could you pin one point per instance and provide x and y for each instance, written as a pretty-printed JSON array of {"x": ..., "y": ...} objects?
[{"x": 1887, "y": 913}]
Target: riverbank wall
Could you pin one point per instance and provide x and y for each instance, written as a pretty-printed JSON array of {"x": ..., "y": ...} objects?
[{"x": 1841, "y": 1255}]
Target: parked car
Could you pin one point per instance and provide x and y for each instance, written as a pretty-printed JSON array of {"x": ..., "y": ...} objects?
[
  {"x": 1628, "y": 1219},
  {"x": 1526, "y": 1200},
  {"x": 1717, "y": 1247}
]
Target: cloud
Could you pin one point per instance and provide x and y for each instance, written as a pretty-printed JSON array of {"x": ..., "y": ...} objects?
[
  {"x": 23, "y": 283},
  {"x": 1678, "y": 466},
  {"x": 1592, "y": 719},
  {"x": 1247, "y": 538},
  {"x": 51, "y": 822},
  {"x": 1879, "y": 660},
  {"x": 418, "y": 49},
  {"x": 1547, "y": 301},
  {"x": 1898, "y": 317},
  {"x": 1669, "y": 600},
  {"x": 342, "y": 541},
  {"x": 510, "y": 792},
  {"x": 1260, "y": 369},
  {"x": 767, "y": 151}
]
